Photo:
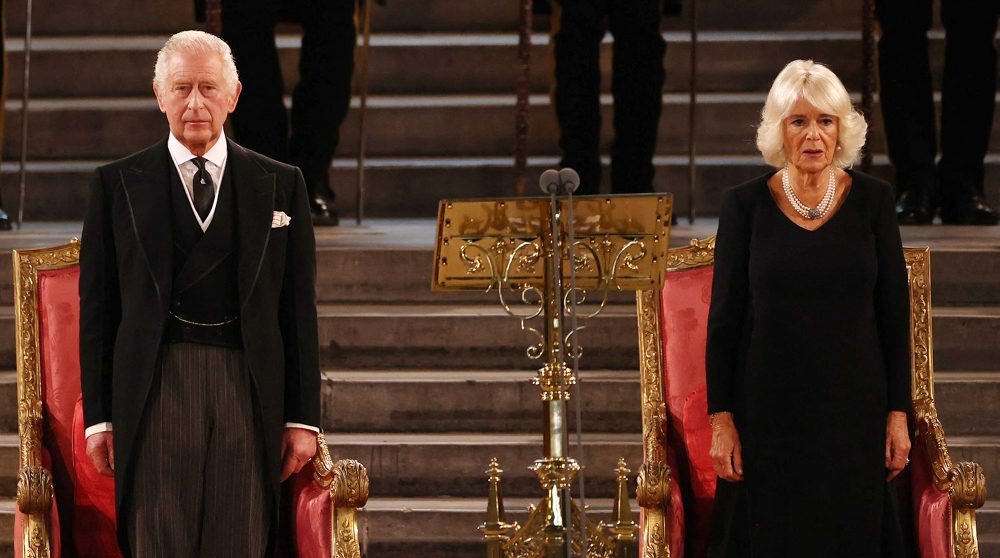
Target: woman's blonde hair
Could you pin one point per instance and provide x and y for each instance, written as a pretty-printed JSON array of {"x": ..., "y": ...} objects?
[{"x": 817, "y": 84}]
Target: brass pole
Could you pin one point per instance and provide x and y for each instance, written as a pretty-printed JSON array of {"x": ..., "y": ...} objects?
[
  {"x": 213, "y": 17},
  {"x": 366, "y": 17},
  {"x": 692, "y": 109},
  {"x": 25, "y": 100},
  {"x": 868, "y": 78},
  {"x": 523, "y": 99}
]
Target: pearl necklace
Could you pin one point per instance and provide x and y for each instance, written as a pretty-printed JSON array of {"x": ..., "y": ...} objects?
[{"x": 824, "y": 205}]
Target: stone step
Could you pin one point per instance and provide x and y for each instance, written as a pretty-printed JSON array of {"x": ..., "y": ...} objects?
[
  {"x": 404, "y": 527},
  {"x": 968, "y": 402},
  {"x": 9, "y": 464},
  {"x": 499, "y": 401},
  {"x": 408, "y": 187},
  {"x": 95, "y": 17},
  {"x": 984, "y": 450},
  {"x": 453, "y": 337},
  {"x": 452, "y": 464},
  {"x": 504, "y": 401},
  {"x": 435, "y": 63},
  {"x": 988, "y": 516},
  {"x": 397, "y": 125},
  {"x": 441, "y": 527}
]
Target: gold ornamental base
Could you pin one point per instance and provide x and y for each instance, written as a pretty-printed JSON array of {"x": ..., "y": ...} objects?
[{"x": 545, "y": 533}]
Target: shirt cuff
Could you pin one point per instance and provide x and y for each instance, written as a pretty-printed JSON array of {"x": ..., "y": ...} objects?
[
  {"x": 97, "y": 428},
  {"x": 303, "y": 426}
]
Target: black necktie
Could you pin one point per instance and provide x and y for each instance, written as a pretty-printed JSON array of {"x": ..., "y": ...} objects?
[{"x": 204, "y": 190}]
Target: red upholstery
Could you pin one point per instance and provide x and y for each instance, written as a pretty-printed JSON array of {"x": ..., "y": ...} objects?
[
  {"x": 931, "y": 507},
  {"x": 85, "y": 497},
  {"x": 684, "y": 303},
  {"x": 94, "y": 522},
  {"x": 312, "y": 515}
]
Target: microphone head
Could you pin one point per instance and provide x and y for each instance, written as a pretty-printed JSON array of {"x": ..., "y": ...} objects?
[
  {"x": 549, "y": 182},
  {"x": 570, "y": 179}
]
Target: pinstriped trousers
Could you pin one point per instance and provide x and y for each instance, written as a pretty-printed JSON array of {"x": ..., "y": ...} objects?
[{"x": 198, "y": 483}]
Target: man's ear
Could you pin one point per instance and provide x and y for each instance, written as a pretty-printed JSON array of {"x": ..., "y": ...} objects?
[
  {"x": 236, "y": 97},
  {"x": 156, "y": 91}
]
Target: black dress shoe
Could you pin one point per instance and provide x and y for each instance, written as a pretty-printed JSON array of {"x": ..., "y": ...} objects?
[
  {"x": 914, "y": 208},
  {"x": 4, "y": 221},
  {"x": 324, "y": 212},
  {"x": 975, "y": 212}
]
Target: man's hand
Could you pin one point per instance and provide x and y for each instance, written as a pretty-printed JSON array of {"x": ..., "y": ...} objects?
[
  {"x": 298, "y": 446},
  {"x": 897, "y": 444},
  {"x": 726, "y": 452},
  {"x": 101, "y": 451}
]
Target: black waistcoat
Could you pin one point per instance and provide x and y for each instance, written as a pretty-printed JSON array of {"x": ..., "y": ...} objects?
[{"x": 204, "y": 306}]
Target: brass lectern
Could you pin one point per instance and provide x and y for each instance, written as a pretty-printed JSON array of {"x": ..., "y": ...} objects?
[{"x": 547, "y": 254}]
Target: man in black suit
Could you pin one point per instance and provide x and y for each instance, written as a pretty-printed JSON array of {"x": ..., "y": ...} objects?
[
  {"x": 320, "y": 100},
  {"x": 636, "y": 83},
  {"x": 198, "y": 336},
  {"x": 967, "y": 103}
]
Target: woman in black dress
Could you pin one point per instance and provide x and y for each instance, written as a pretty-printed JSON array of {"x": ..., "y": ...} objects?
[{"x": 808, "y": 340}]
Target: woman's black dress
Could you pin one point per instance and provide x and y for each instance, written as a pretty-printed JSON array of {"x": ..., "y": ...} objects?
[{"x": 808, "y": 346}]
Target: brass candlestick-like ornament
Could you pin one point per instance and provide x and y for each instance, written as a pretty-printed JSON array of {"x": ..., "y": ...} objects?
[{"x": 549, "y": 253}]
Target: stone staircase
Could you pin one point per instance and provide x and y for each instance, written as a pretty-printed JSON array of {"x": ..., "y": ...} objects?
[
  {"x": 441, "y": 106},
  {"x": 425, "y": 387}
]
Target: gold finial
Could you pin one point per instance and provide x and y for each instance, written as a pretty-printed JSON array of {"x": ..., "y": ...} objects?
[{"x": 494, "y": 471}]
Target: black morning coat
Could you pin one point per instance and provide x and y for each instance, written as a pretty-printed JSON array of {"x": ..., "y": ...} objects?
[{"x": 126, "y": 262}]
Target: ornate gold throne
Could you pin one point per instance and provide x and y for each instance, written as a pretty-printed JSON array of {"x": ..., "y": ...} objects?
[
  {"x": 676, "y": 481},
  {"x": 62, "y": 502}
]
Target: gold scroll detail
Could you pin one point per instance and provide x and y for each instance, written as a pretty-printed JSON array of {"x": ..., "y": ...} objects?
[
  {"x": 34, "y": 485},
  {"x": 349, "y": 491},
  {"x": 620, "y": 240},
  {"x": 653, "y": 485},
  {"x": 699, "y": 253},
  {"x": 350, "y": 484},
  {"x": 964, "y": 482}
]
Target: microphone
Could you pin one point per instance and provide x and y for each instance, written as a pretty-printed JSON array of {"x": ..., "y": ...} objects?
[
  {"x": 550, "y": 181},
  {"x": 570, "y": 179}
]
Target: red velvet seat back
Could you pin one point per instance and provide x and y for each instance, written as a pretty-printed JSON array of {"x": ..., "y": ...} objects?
[
  {"x": 684, "y": 303},
  {"x": 84, "y": 497}
]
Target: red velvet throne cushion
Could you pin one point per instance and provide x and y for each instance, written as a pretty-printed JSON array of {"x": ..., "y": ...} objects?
[{"x": 684, "y": 303}]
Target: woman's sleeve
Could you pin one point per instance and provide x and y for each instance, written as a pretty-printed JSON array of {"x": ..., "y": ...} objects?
[
  {"x": 892, "y": 303},
  {"x": 728, "y": 311}
]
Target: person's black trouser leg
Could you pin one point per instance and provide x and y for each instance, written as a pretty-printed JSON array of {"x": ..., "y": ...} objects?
[
  {"x": 637, "y": 85},
  {"x": 260, "y": 121},
  {"x": 577, "y": 89},
  {"x": 323, "y": 95},
  {"x": 967, "y": 98},
  {"x": 906, "y": 92}
]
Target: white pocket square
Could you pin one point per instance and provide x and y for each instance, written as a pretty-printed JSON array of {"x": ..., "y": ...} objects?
[{"x": 280, "y": 219}]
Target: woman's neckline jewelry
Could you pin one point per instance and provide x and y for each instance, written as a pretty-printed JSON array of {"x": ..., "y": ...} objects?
[{"x": 806, "y": 212}]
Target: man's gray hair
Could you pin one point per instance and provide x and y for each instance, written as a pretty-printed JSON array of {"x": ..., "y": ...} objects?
[{"x": 198, "y": 42}]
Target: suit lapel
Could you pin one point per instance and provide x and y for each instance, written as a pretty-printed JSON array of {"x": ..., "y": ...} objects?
[
  {"x": 147, "y": 191},
  {"x": 254, "y": 189}
]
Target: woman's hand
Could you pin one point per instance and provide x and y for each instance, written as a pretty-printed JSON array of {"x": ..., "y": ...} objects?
[
  {"x": 897, "y": 444},
  {"x": 727, "y": 455}
]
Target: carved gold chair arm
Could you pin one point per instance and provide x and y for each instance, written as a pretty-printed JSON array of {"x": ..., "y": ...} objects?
[
  {"x": 653, "y": 495},
  {"x": 348, "y": 483},
  {"x": 34, "y": 500},
  {"x": 965, "y": 481}
]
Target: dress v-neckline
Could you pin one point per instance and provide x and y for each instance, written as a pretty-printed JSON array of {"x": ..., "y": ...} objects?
[{"x": 777, "y": 207}]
